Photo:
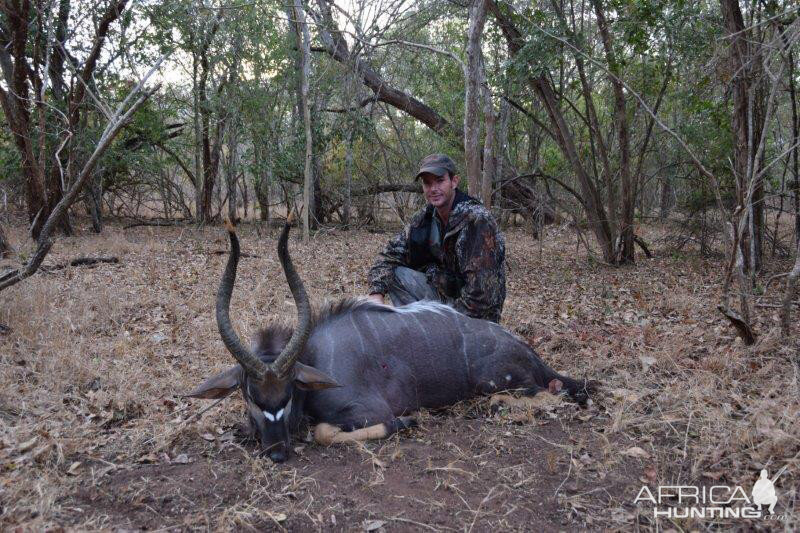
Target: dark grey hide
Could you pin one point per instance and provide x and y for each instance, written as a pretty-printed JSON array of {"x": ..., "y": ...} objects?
[{"x": 390, "y": 361}]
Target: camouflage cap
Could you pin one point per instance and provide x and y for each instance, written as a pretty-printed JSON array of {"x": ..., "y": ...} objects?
[{"x": 436, "y": 164}]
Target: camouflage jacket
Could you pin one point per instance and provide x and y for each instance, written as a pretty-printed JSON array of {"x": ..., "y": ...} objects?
[{"x": 465, "y": 261}]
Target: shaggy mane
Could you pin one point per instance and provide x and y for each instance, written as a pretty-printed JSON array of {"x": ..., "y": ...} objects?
[
  {"x": 333, "y": 308},
  {"x": 270, "y": 340}
]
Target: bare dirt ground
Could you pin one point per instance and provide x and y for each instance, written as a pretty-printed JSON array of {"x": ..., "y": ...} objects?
[{"x": 95, "y": 435}]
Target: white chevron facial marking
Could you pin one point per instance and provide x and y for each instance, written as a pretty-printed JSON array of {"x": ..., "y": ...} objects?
[
  {"x": 279, "y": 415},
  {"x": 272, "y": 418}
]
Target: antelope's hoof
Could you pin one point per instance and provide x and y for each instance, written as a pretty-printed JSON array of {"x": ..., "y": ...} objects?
[
  {"x": 407, "y": 422},
  {"x": 555, "y": 386},
  {"x": 498, "y": 401}
]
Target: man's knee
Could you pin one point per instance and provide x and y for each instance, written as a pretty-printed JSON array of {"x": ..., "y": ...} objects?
[{"x": 411, "y": 286}]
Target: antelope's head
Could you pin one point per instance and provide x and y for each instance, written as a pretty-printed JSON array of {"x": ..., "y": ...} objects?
[{"x": 268, "y": 385}]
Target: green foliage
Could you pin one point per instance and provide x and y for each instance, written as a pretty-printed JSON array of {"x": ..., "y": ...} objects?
[{"x": 249, "y": 55}]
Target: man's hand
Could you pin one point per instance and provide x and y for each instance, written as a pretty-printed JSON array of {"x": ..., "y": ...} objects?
[{"x": 377, "y": 298}]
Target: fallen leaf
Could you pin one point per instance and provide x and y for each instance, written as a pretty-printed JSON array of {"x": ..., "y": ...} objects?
[
  {"x": 625, "y": 395},
  {"x": 647, "y": 362},
  {"x": 73, "y": 468},
  {"x": 148, "y": 458},
  {"x": 372, "y": 525},
  {"x": 635, "y": 451},
  {"x": 27, "y": 445}
]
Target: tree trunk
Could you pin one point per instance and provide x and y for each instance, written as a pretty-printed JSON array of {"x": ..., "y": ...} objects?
[
  {"x": 5, "y": 246},
  {"x": 625, "y": 254},
  {"x": 233, "y": 168},
  {"x": 596, "y": 138},
  {"x": 95, "y": 198},
  {"x": 747, "y": 124},
  {"x": 319, "y": 209},
  {"x": 795, "y": 140},
  {"x": 595, "y": 212},
  {"x": 198, "y": 136},
  {"x": 489, "y": 156},
  {"x": 304, "y": 44},
  {"x": 245, "y": 195},
  {"x": 472, "y": 127},
  {"x": 262, "y": 178},
  {"x": 208, "y": 155},
  {"x": 665, "y": 201},
  {"x": 348, "y": 176}
]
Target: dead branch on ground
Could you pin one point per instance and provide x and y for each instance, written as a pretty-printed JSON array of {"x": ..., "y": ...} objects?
[
  {"x": 115, "y": 124},
  {"x": 80, "y": 261}
]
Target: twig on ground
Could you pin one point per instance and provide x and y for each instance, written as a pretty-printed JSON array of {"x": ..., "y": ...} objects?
[
  {"x": 158, "y": 223},
  {"x": 80, "y": 261}
]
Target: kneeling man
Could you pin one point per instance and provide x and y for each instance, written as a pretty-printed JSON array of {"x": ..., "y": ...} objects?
[{"x": 451, "y": 251}]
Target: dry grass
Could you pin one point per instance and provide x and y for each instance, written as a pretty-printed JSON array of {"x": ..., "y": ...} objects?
[{"x": 90, "y": 372}]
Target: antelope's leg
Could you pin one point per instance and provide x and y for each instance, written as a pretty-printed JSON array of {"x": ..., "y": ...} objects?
[{"x": 327, "y": 434}]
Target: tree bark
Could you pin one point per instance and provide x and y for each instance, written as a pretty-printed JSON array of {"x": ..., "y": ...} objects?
[
  {"x": 596, "y": 137},
  {"x": 95, "y": 200},
  {"x": 472, "y": 94},
  {"x": 263, "y": 179},
  {"x": 233, "y": 169},
  {"x": 489, "y": 144},
  {"x": 318, "y": 213},
  {"x": 304, "y": 44},
  {"x": 5, "y": 246},
  {"x": 16, "y": 102},
  {"x": 206, "y": 151},
  {"x": 352, "y": 122},
  {"x": 747, "y": 124},
  {"x": 625, "y": 254}
]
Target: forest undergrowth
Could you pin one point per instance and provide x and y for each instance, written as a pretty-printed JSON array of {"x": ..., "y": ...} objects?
[{"x": 94, "y": 432}]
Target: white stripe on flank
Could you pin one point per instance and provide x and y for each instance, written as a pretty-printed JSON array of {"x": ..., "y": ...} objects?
[{"x": 424, "y": 305}]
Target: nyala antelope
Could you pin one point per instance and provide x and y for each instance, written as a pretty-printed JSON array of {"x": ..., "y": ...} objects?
[{"x": 358, "y": 369}]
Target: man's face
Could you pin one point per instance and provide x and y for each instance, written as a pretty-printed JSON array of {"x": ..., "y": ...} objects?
[{"x": 439, "y": 190}]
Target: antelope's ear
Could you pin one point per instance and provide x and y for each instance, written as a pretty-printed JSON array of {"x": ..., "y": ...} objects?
[
  {"x": 309, "y": 378},
  {"x": 220, "y": 385}
]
